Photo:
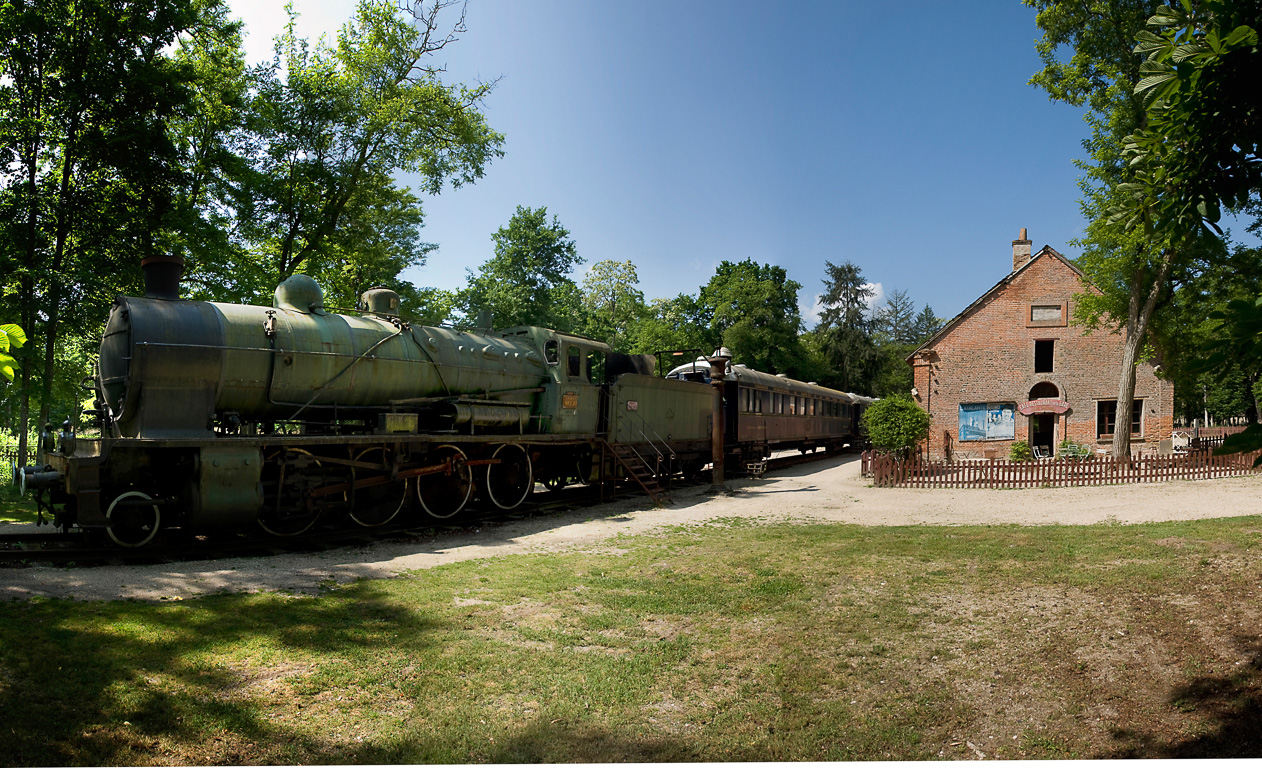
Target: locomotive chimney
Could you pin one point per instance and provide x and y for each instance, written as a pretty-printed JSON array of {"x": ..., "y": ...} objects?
[{"x": 162, "y": 276}]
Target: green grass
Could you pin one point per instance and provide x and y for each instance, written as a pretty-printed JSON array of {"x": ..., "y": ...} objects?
[
  {"x": 728, "y": 642},
  {"x": 15, "y": 508}
]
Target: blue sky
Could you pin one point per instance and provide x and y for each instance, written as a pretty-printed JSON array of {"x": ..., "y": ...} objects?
[{"x": 901, "y": 136}]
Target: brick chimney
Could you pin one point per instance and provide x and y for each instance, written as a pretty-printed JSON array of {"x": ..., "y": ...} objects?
[{"x": 1020, "y": 251}]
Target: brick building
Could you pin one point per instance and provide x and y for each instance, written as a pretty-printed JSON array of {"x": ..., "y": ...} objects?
[{"x": 1013, "y": 366}]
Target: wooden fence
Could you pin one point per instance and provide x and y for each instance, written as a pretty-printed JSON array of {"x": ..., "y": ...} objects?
[
  {"x": 889, "y": 471},
  {"x": 9, "y": 456}
]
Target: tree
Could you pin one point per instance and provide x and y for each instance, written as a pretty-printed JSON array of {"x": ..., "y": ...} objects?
[
  {"x": 895, "y": 319},
  {"x": 671, "y": 324},
  {"x": 613, "y": 303},
  {"x": 1132, "y": 269},
  {"x": 527, "y": 281},
  {"x": 895, "y": 424},
  {"x": 844, "y": 330},
  {"x": 90, "y": 172},
  {"x": 333, "y": 125},
  {"x": 753, "y": 311},
  {"x": 926, "y": 325}
]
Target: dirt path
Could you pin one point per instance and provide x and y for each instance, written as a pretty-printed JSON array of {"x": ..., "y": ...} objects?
[{"x": 826, "y": 491}]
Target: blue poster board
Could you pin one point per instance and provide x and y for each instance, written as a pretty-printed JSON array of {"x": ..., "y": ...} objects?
[{"x": 988, "y": 421}]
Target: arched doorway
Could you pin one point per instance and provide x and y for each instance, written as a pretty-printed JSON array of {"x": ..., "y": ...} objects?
[
  {"x": 1044, "y": 389},
  {"x": 1043, "y": 425}
]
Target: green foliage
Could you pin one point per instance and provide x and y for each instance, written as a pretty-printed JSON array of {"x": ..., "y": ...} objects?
[
  {"x": 612, "y": 302},
  {"x": 332, "y": 126},
  {"x": 11, "y": 337},
  {"x": 668, "y": 324},
  {"x": 753, "y": 311},
  {"x": 1132, "y": 269},
  {"x": 1199, "y": 150},
  {"x": 896, "y": 423},
  {"x": 844, "y": 331},
  {"x": 1020, "y": 451},
  {"x": 527, "y": 281},
  {"x": 91, "y": 174},
  {"x": 1070, "y": 447}
]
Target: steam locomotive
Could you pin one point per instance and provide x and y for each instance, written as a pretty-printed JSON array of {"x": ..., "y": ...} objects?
[{"x": 218, "y": 415}]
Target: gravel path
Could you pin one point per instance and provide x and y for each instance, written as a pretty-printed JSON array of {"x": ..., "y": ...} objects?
[{"x": 825, "y": 491}]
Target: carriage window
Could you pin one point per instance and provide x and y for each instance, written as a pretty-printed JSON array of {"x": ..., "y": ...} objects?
[
  {"x": 551, "y": 353},
  {"x": 757, "y": 402},
  {"x": 813, "y": 403},
  {"x": 576, "y": 361},
  {"x": 596, "y": 367}
]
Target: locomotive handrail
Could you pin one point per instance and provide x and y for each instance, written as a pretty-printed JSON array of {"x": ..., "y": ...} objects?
[{"x": 362, "y": 356}]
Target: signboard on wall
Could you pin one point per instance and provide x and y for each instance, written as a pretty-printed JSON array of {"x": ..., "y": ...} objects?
[{"x": 988, "y": 421}]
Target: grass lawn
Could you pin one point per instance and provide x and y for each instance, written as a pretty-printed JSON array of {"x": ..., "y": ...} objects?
[
  {"x": 732, "y": 641},
  {"x": 15, "y": 508}
]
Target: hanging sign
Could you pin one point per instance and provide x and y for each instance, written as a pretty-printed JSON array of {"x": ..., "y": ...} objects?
[{"x": 1043, "y": 405}]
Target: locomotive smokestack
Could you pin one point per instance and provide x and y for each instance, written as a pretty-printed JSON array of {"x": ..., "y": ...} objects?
[{"x": 162, "y": 276}]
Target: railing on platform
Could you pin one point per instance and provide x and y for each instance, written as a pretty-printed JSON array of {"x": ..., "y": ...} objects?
[{"x": 890, "y": 471}]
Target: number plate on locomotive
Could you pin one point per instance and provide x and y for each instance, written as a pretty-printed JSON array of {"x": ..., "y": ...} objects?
[{"x": 569, "y": 400}]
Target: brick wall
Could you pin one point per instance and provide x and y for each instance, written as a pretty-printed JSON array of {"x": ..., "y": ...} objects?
[{"x": 989, "y": 356}]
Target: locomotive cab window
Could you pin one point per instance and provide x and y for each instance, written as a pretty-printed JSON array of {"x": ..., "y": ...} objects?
[
  {"x": 596, "y": 367},
  {"x": 575, "y": 362},
  {"x": 551, "y": 352}
]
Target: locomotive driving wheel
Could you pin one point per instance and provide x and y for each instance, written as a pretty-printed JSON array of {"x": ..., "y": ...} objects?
[
  {"x": 133, "y": 523},
  {"x": 377, "y": 504},
  {"x": 508, "y": 477},
  {"x": 288, "y": 478},
  {"x": 444, "y": 491}
]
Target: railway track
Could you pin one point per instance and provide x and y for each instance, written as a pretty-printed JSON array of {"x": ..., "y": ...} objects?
[{"x": 80, "y": 549}]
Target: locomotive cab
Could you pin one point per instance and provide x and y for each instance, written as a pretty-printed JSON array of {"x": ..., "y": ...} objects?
[{"x": 576, "y": 367}]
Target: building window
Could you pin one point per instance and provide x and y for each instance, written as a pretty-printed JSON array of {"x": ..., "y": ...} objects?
[
  {"x": 1044, "y": 353},
  {"x": 1047, "y": 314},
  {"x": 1106, "y": 418}
]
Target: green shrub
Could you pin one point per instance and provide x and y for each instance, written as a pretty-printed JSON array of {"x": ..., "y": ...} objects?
[
  {"x": 895, "y": 424},
  {"x": 1020, "y": 451},
  {"x": 1072, "y": 447}
]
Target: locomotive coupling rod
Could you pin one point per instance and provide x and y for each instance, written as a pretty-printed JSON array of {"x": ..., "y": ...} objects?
[{"x": 369, "y": 482}]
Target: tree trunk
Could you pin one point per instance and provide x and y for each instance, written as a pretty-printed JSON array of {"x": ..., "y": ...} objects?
[{"x": 1137, "y": 318}]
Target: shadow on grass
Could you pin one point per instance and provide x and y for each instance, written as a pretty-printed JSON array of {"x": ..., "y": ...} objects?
[
  {"x": 1233, "y": 703},
  {"x": 106, "y": 683}
]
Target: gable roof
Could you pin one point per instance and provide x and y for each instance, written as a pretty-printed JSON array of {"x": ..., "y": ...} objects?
[{"x": 1046, "y": 250}]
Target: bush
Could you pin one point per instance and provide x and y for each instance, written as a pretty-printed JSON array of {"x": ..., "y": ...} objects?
[
  {"x": 1020, "y": 451},
  {"x": 895, "y": 424}
]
